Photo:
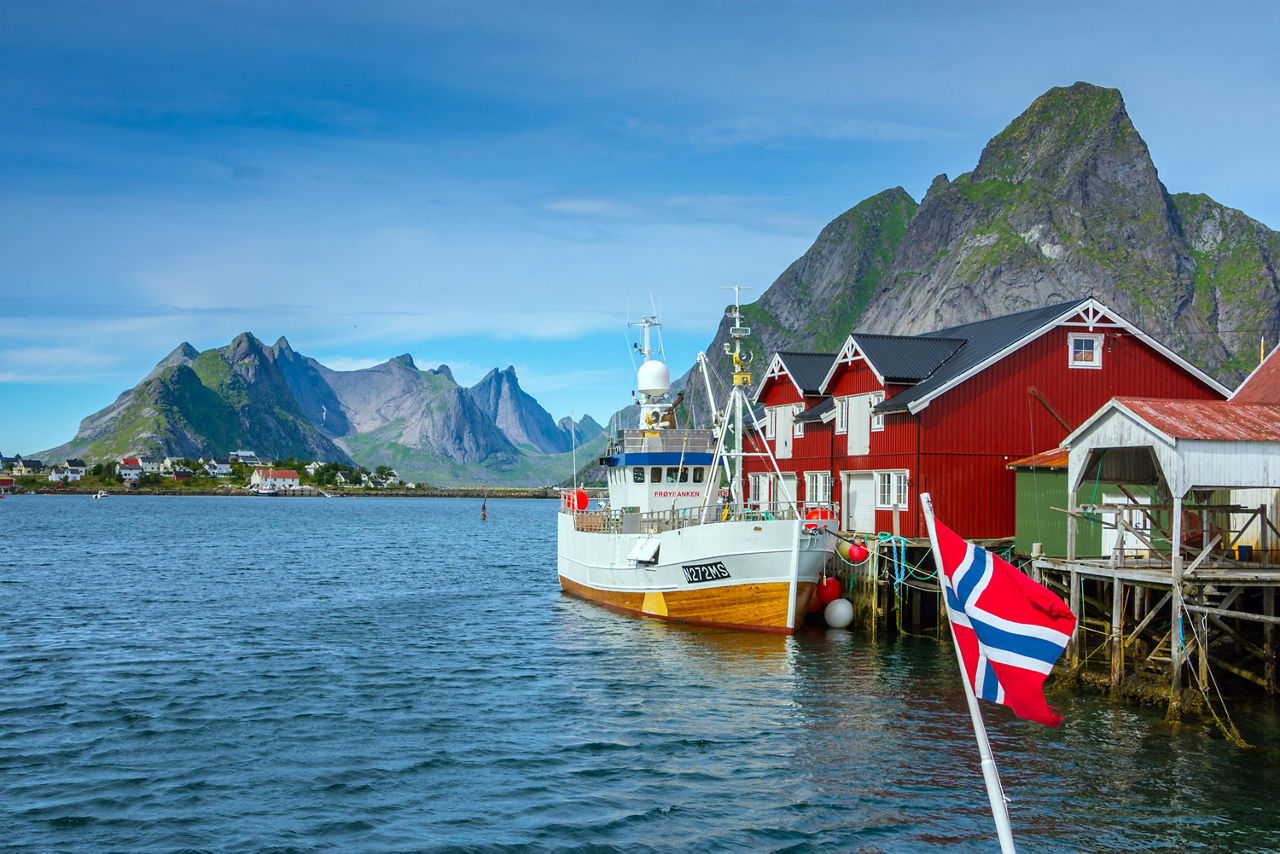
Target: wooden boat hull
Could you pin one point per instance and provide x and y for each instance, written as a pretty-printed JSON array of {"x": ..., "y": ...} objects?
[{"x": 733, "y": 574}]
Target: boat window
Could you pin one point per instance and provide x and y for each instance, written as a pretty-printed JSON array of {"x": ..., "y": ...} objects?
[
  {"x": 671, "y": 474},
  {"x": 637, "y": 474},
  {"x": 655, "y": 474},
  {"x": 698, "y": 474},
  {"x": 684, "y": 474}
]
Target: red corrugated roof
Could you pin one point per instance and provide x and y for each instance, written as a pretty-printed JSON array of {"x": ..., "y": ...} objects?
[
  {"x": 1263, "y": 385},
  {"x": 1055, "y": 459},
  {"x": 277, "y": 474},
  {"x": 1209, "y": 419}
]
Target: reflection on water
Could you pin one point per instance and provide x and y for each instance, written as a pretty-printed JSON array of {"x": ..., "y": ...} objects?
[{"x": 394, "y": 675}]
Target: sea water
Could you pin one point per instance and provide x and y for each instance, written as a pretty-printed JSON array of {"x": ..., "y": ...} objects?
[{"x": 243, "y": 674}]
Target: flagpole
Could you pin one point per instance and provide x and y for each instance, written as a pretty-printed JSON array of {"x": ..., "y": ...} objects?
[{"x": 995, "y": 792}]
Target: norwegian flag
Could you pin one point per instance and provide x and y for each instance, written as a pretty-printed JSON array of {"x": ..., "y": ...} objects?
[{"x": 1010, "y": 630}]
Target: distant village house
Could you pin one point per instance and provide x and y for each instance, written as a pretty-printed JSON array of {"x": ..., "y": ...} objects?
[{"x": 275, "y": 479}]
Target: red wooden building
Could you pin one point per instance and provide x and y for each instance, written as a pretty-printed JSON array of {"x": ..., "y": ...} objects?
[{"x": 944, "y": 412}]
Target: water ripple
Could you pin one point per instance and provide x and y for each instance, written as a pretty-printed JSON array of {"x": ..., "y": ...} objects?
[{"x": 232, "y": 674}]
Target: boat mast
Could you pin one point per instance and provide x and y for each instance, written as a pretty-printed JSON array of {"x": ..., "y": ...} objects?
[
  {"x": 653, "y": 379},
  {"x": 741, "y": 379}
]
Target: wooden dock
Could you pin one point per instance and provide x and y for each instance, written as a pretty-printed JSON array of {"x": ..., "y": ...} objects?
[{"x": 1162, "y": 624}]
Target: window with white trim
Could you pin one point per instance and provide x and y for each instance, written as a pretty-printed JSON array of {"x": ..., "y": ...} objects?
[
  {"x": 1085, "y": 349},
  {"x": 817, "y": 487},
  {"x": 797, "y": 426},
  {"x": 877, "y": 420},
  {"x": 761, "y": 490},
  {"x": 891, "y": 489},
  {"x": 841, "y": 412},
  {"x": 769, "y": 414}
]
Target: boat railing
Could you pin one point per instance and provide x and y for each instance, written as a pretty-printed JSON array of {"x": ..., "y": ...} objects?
[
  {"x": 602, "y": 519},
  {"x": 667, "y": 440}
]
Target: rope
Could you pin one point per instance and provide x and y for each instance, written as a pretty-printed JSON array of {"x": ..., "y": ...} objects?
[{"x": 1226, "y": 727}]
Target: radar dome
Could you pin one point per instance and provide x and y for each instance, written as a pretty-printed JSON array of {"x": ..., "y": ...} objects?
[{"x": 653, "y": 379}]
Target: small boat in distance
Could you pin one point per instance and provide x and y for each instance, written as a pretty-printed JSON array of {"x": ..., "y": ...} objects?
[
  {"x": 672, "y": 535},
  {"x": 101, "y": 493},
  {"x": 262, "y": 489}
]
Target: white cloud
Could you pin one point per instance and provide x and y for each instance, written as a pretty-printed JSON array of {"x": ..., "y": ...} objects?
[{"x": 54, "y": 365}]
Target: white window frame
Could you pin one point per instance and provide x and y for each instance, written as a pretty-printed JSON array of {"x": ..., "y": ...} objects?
[
  {"x": 817, "y": 487},
  {"x": 842, "y": 414},
  {"x": 761, "y": 489},
  {"x": 897, "y": 482},
  {"x": 769, "y": 419},
  {"x": 797, "y": 427},
  {"x": 1096, "y": 338},
  {"x": 877, "y": 421}
]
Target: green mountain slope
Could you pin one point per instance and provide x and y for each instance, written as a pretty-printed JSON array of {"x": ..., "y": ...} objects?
[{"x": 1064, "y": 202}]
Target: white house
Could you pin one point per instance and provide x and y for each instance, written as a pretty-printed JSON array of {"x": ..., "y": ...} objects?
[
  {"x": 63, "y": 474},
  {"x": 218, "y": 467},
  {"x": 275, "y": 479}
]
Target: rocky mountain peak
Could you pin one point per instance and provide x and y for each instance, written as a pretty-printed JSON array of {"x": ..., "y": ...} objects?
[
  {"x": 183, "y": 354},
  {"x": 1064, "y": 202},
  {"x": 406, "y": 360},
  {"x": 1063, "y": 130},
  {"x": 244, "y": 346}
]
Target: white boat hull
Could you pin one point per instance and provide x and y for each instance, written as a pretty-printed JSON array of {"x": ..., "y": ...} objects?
[{"x": 742, "y": 574}]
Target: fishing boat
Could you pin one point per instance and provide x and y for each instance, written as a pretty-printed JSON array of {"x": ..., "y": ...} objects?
[{"x": 672, "y": 536}]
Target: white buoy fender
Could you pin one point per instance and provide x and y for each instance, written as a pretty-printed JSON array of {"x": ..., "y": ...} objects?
[{"x": 838, "y": 613}]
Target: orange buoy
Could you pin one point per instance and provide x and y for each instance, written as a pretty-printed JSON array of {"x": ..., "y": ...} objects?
[
  {"x": 818, "y": 513},
  {"x": 828, "y": 590},
  {"x": 852, "y": 552}
]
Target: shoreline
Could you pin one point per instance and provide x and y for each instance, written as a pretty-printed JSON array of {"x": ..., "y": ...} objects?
[{"x": 244, "y": 492}]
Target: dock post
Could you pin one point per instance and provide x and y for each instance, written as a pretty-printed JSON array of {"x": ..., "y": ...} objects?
[
  {"x": 1269, "y": 640},
  {"x": 1074, "y": 646},
  {"x": 1071, "y": 529},
  {"x": 1117, "y": 634},
  {"x": 1175, "y": 606}
]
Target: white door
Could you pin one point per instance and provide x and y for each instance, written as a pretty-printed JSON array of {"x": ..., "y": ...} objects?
[
  {"x": 786, "y": 496},
  {"x": 859, "y": 502},
  {"x": 783, "y": 431},
  {"x": 859, "y": 425}
]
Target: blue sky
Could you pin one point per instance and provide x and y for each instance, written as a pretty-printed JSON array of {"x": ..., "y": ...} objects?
[{"x": 492, "y": 183}]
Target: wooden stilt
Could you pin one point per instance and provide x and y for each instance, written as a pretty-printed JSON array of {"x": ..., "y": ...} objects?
[
  {"x": 1073, "y": 649},
  {"x": 1175, "y": 641},
  {"x": 1269, "y": 640},
  {"x": 1117, "y": 637}
]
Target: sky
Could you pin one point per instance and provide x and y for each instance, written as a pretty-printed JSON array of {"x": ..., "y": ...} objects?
[{"x": 483, "y": 184}]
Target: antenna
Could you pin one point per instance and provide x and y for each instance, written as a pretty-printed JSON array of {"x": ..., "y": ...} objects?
[{"x": 573, "y": 445}]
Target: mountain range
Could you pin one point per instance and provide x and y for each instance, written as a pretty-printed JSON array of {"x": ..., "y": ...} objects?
[
  {"x": 1064, "y": 202},
  {"x": 280, "y": 403}
]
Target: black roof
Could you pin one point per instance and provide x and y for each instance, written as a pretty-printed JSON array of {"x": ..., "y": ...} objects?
[
  {"x": 981, "y": 340},
  {"x": 808, "y": 370},
  {"x": 815, "y": 412},
  {"x": 906, "y": 359}
]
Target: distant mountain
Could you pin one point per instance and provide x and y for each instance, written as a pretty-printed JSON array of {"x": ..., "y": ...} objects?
[
  {"x": 279, "y": 403},
  {"x": 205, "y": 404},
  {"x": 521, "y": 419},
  {"x": 1064, "y": 202}
]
